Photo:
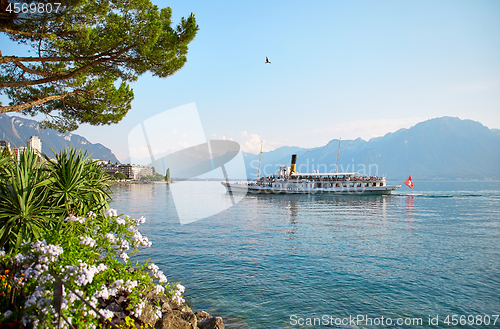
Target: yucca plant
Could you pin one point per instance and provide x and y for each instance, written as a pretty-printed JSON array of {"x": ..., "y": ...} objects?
[
  {"x": 24, "y": 210},
  {"x": 78, "y": 184}
]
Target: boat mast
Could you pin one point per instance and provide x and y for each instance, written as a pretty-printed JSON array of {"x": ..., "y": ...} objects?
[
  {"x": 260, "y": 157},
  {"x": 338, "y": 154}
]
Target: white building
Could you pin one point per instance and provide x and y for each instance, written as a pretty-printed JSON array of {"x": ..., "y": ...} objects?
[
  {"x": 35, "y": 144},
  {"x": 3, "y": 145}
]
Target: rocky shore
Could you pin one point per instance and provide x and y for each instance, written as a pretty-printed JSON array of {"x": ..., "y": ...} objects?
[{"x": 173, "y": 315}]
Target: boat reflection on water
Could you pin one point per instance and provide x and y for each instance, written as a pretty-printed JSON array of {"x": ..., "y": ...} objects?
[{"x": 323, "y": 210}]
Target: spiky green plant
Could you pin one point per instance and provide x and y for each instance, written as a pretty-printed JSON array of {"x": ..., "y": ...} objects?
[
  {"x": 79, "y": 185},
  {"x": 24, "y": 209}
]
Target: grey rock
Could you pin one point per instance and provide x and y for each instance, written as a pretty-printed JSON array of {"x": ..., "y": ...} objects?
[
  {"x": 114, "y": 307},
  {"x": 202, "y": 315},
  {"x": 211, "y": 323},
  {"x": 148, "y": 314},
  {"x": 176, "y": 319}
]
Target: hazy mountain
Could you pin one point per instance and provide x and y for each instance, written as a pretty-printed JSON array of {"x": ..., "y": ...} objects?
[
  {"x": 17, "y": 130},
  {"x": 444, "y": 147}
]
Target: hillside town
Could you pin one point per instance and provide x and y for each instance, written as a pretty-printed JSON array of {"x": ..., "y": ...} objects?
[{"x": 131, "y": 171}]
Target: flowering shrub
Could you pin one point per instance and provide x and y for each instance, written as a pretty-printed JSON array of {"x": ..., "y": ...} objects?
[{"x": 92, "y": 258}]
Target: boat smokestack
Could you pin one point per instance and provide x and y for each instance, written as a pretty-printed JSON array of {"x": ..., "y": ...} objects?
[{"x": 294, "y": 161}]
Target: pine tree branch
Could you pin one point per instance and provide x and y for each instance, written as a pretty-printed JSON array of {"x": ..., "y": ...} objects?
[
  {"x": 62, "y": 77},
  {"x": 20, "y": 107},
  {"x": 36, "y": 34},
  {"x": 28, "y": 70}
]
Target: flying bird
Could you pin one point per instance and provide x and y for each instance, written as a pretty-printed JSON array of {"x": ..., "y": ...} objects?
[{"x": 267, "y": 61}]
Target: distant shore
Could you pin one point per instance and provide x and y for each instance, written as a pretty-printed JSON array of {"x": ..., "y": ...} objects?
[{"x": 128, "y": 182}]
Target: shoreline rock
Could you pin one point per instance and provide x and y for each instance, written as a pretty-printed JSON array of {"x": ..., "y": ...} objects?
[{"x": 177, "y": 316}]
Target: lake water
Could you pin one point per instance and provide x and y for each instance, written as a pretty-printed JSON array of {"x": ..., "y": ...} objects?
[{"x": 282, "y": 261}]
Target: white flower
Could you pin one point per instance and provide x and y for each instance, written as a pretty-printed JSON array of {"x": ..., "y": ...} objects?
[
  {"x": 72, "y": 218},
  {"x": 2, "y": 253},
  {"x": 141, "y": 220},
  {"x": 138, "y": 309},
  {"x": 103, "y": 293},
  {"x": 158, "y": 289},
  {"x": 161, "y": 277},
  {"x": 111, "y": 213},
  {"x": 124, "y": 256},
  {"x": 91, "y": 214},
  {"x": 111, "y": 237},
  {"x": 101, "y": 268},
  {"x": 19, "y": 258},
  {"x": 178, "y": 300},
  {"x": 125, "y": 245},
  {"x": 107, "y": 313},
  {"x": 158, "y": 312},
  {"x": 154, "y": 268},
  {"x": 129, "y": 285},
  {"x": 88, "y": 241},
  {"x": 120, "y": 221},
  {"x": 7, "y": 313},
  {"x": 180, "y": 288}
]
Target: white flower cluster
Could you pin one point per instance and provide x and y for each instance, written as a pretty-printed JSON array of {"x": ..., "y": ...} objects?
[
  {"x": 139, "y": 239},
  {"x": 72, "y": 218},
  {"x": 111, "y": 237},
  {"x": 42, "y": 259},
  {"x": 177, "y": 297},
  {"x": 87, "y": 241},
  {"x": 137, "y": 311},
  {"x": 124, "y": 256},
  {"x": 107, "y": 313},
  {"x": 116, "y": 287},
  {"x": 159, "y": 289},
  {"x": 111, "y": 212},
  {"x": 87, "y": 273},
  {"x": 124, "y": 245},
  {"x": 157, "y": 273}
]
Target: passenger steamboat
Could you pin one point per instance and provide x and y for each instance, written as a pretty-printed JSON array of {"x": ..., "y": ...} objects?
[{"x": 290, "y": 181}]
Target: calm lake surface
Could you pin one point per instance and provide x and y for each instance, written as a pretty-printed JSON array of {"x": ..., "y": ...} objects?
[{"x": 276, "y": 261}]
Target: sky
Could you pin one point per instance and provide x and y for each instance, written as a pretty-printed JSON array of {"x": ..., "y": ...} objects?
[{"x": 344, "y": 69}]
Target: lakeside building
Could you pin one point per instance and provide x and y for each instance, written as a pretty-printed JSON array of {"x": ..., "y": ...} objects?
[
  {"x": 130, "y": 170},
  {"x": 135, "y": 171},
  {"x": 4, "y": 144},
  {"x": 35, "y": 144}
]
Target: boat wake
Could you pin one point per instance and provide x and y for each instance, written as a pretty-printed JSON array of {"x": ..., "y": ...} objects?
[{"x": 447, "y": 194}]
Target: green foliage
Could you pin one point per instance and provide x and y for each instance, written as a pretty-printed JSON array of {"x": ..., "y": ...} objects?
[
  {"x": 38, "y": 193},
  {"x": 156, "y": 178},
  {"x": 24, "y": 200},
  {"x": 88, "y": 260},
  {"x": 120, "y": 175},
  {"x": 79, "y": 185},
  {"x": 86, "y": 56}
]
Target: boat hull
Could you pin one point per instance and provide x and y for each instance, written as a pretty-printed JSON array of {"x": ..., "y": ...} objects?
[{"x": 258, "y": 189}]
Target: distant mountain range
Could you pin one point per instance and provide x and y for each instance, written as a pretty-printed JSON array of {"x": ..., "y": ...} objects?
[
  {"x": 440, "y": 148},
  {"x": 446, "y": 147},
  {"x": 16, "y": 131}
]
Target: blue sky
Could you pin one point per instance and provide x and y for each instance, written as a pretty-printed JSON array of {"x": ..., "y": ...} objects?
[{"x": 339, "y": 69}]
